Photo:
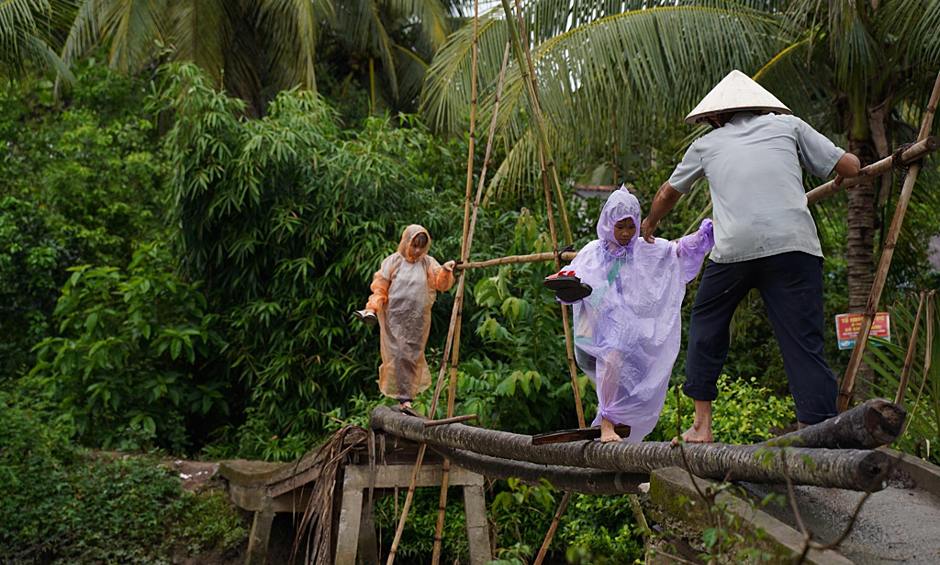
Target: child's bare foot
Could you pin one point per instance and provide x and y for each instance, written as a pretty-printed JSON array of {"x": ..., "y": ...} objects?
[
  {"x": 700, "y": 432},
  {"x": 608, "y": 434}
]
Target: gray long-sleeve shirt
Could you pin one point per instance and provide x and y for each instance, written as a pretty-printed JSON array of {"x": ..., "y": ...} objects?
[{"x": 752, "y": 164}]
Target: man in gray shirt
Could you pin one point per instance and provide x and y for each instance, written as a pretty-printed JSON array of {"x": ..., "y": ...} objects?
[{"x": 765, "y": 238}]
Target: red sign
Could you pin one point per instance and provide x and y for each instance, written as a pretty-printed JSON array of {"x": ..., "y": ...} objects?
[{"x": 847, "y": 326}]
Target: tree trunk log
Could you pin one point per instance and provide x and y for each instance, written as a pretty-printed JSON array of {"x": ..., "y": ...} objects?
[
  {"x": 848, "y": 469},
  {"x": 867, "y": 426},
  {"x": 574, "y": 479}
]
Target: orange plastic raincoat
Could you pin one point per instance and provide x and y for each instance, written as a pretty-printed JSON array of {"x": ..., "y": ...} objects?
[{"x": 403, "y": 291}]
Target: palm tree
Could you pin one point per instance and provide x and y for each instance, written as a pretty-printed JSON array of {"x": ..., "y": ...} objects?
[
  {"x": 254, "y": 48},
  {"x": 31, "y": 32},
  {"x": 855, "y": 70}
]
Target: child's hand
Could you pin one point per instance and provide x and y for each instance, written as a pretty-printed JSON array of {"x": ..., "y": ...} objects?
[{"x": 449, "y": 266}]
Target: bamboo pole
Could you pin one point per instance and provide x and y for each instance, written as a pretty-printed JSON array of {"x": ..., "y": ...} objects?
[
  {"x": 533, "y": 258},
  {"x": 455, "y": 356},
  {"x": 550, "y": 166},
  {"x": 881, "y": 275},
  {"x": 909, "y": 359},
  {"x": 913, "y": 153},
  {"x": 454, "y": 420},
  {"x": 529, "y": 81},
  {"x": 453, "y": 331},
  {"x": 524, "y": 59},
  {"x": 927, "y": 359}
]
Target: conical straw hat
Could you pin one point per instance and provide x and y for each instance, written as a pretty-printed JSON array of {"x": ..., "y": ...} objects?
[{"x": 736, "y": 92}]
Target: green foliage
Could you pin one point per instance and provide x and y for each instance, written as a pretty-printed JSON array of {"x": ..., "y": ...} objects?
[
  {"x": 417, "y": 538},
  {"x": 744, "y": 413},
  {"x": 131, "y": 352},
  {"x": 922, "y": 395},
  {"x": 600, "y": 529},
  {"x": 286, "y": 218},
  {"x": 79, "y": 183},
  {"x": 60, "y": 504},
  {"x": 31, "y": 260}
]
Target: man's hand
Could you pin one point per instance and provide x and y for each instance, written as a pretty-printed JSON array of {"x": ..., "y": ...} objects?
[
  {"x": 837, "y": 181},
  {"x": 649, "y": 228},
  {"x": 449, "y": 266}
]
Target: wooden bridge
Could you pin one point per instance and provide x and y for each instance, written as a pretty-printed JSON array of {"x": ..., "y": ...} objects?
[{"x": 835, "y": 464}]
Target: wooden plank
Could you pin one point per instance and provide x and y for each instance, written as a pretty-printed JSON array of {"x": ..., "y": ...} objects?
[
  {"x": 577, "y": 434},
  {"x": 390, "y": 476}
]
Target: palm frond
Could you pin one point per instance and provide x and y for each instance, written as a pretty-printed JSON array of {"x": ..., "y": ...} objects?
[
  {"x": 431, "y": 15},
  {"x": 640, "y": 59},
  {"x": 294, "y": 28},
  {"x": 31, "y": 31},
  {"x": 200, "y": 31},
  {"x": 364, "y": 31},
  {"x": 133, "y": 26}
]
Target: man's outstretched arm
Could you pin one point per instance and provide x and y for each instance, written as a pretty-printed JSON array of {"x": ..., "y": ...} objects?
[
  {"x": 846, "y": 167},
  {"x": 666, "y": 197}
]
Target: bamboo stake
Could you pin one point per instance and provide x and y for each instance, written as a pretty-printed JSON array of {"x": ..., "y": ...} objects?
[
  {"x": 551, "y": 164},
  {"x": 529, "y": 81},
  {"x": 927, "y": 359},
  {"x": 913, "y": 153},
  {"x": 881, "y": 275},
  {"x": 455, "y": 357},
  {"x": 533, "y": 258},
  {"x": 524, "y": 59},
  {"x": 909, "y": 360},
  {"x": 453, "y": 331},
  {"x": 454, "y": 420}
]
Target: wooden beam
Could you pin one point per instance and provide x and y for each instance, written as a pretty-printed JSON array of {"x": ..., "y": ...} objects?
[
  {"x": 867, "y": 426},
  {"x": 573, "y": 479}
]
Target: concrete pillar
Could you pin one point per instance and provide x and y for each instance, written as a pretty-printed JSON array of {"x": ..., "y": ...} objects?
[
  {"x": 350, "y": 515},
  {"x": 260, "y": 533},
  {"x": 368, "y": 543},
  {"x": 478, "y": 540}
]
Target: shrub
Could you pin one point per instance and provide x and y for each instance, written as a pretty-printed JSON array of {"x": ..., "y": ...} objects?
[
  {"x": 61, "y": 504},
  {"x": 131, "y": 353},
  {"x": 744, "y": 413}
]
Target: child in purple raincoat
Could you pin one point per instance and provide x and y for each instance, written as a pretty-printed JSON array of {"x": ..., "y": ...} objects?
[{"x": 627, "y": 330}]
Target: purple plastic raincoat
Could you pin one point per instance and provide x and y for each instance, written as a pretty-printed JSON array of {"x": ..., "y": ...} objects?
[{"x": 627, "y": 331}]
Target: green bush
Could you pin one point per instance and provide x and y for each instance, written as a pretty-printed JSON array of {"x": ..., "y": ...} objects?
[
  {"x": 286, "y": 218},
  {"x": 61, "y": 504},
  {"x": 80, "y": 183},
  {"x": 744, "y": 413},
  {"x": 131, "y": 354}
]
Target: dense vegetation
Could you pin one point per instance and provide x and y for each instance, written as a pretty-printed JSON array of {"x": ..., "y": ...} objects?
[{"x": 178, "y": 265}]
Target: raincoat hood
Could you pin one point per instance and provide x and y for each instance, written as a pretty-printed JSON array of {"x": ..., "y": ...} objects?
[
  {"x": 621, "y": 204},
  {"x": 407, "y": 236}
]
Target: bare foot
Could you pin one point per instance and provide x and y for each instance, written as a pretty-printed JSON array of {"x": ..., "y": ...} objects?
[
  {"x": 699, "y": 433},
  {"x": 608, "y": 434}
]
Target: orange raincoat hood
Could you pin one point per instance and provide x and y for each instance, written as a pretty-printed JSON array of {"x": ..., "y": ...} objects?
[{"x": 407, "y": 237}]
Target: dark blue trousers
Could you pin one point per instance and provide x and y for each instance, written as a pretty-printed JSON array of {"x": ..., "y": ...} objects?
[{"x": 791, "y": 286}]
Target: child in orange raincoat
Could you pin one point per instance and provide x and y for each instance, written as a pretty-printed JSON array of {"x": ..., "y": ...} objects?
[{"x": 403, "y": 291}]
